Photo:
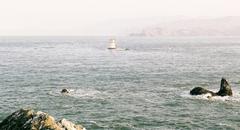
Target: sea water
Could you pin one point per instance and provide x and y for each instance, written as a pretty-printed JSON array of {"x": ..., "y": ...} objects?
[{"x": 145, "y": 87}]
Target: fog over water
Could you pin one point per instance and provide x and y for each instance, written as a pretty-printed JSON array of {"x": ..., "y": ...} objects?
[{"x": 105, "y": 17}]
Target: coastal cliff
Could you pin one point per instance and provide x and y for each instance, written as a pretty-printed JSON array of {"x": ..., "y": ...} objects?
[{"x": 28, "y": 119}]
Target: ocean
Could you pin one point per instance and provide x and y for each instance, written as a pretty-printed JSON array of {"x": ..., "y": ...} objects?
[{"x": 144, "y": 88}]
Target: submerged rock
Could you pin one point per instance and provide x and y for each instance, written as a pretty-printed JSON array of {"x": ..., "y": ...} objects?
[
  {"x": 27, "y": 119},
  {"x": 225, "y": 90},
  {"x": 65, "y": 91}
]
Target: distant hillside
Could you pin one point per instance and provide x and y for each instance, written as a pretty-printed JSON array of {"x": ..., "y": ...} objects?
[{"x": 227, "y": 26}]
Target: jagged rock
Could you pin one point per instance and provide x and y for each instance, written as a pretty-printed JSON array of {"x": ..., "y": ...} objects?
[
  {"x": 225, "y": 90},
  {"x": 27, "y": 119}
]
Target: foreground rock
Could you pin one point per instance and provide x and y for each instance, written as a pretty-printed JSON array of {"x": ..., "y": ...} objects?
[
  {"x": 225, "y": 90},
  {"x": 27, "y": 119}
]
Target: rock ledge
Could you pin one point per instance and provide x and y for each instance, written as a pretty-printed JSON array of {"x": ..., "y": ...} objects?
[{"x": 27, "y": 119}]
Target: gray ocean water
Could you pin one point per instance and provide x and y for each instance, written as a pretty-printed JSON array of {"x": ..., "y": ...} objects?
[{"x": 146, "y": 87}]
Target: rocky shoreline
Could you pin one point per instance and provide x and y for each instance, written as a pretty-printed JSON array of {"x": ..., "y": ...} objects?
[{"x": 28, "y": 119}]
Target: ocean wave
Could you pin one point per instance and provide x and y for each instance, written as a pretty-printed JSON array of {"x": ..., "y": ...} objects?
[
  {"x": 78, "y": 93},
  {"x": 85, "y": 93},
  {"x": 208, "y": 96}
]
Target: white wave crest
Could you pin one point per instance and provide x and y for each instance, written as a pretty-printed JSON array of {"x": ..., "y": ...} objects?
[{"x": 208, "y": 96}]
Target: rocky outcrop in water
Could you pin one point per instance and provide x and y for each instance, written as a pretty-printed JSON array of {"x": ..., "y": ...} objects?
[
  {"x": 65, "y": 91},
  {"x": 225, "y": 90},
  {"x": 200, "y": 90},
  {"x": 27, "y": 119}
]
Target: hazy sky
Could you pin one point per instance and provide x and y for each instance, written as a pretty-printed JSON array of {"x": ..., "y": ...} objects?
[{"x": 79, "y": 17}]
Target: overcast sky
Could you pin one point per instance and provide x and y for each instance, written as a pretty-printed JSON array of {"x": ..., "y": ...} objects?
[{"x": 78, "y": 17}]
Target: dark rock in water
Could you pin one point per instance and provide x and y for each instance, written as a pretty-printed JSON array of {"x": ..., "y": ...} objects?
[
  {"x": 27, "y": 119},
  {"x": 65, "y": 90},
  {"x": 199, "y": 91},
  {"x": 225, "y": 90}
]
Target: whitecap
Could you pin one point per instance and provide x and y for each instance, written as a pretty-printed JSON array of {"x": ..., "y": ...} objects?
[
  {"x": 208, "y": 96},
  {"x": 85, "y": 93},
  {"x": 78, "y": 93}
]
